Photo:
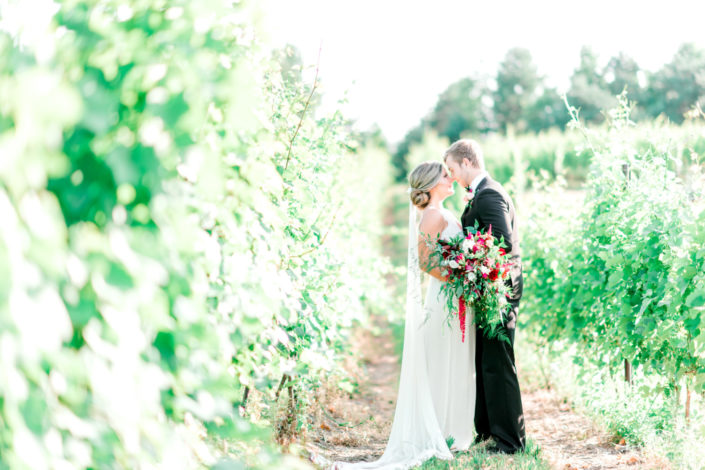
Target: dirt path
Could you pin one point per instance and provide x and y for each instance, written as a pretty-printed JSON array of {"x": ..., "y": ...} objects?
[
  {"x": 570, "y": 440},
  {"x": 354, "y": 428},
  {"x": 366, "y": 417}
]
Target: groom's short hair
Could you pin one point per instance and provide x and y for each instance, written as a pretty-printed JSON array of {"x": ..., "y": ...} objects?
[{"x": 466, "y": 148}]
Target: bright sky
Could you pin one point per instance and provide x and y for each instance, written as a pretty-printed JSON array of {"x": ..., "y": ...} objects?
[{"x": 395, "y": 56}]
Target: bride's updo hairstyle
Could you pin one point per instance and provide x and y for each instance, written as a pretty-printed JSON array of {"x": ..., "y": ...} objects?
[{"x": 421, "y": 180}]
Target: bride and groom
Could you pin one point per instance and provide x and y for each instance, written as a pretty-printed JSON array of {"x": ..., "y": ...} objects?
[{"x": 447, "y": 384}]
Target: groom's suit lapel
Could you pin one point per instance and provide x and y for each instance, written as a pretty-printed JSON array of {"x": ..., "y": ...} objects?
[
  {"x": 469, "y": 214},
  {"x": 483, "y": 184}
]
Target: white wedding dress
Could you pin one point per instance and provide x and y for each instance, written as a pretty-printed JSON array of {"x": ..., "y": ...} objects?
[
  {"x": 450, "y": 362},
  {"x": 436, "y": 397}
]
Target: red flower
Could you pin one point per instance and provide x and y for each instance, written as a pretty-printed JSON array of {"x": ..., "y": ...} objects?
[{"x": 461, "y": 317}]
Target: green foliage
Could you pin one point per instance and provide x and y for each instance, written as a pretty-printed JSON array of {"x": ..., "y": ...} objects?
[
  {"x": 622, "y": 73},
  {"x": 622, "y": 277},
  {"x": 522, "y": 103},
  {"x": 547, "y": 112},
  {"x": 588, "y": 89},
  {"x": 517, "y": 83},
  {"x": 564, "y": 154},
  {"x": 106, "y": 332},
  {"x": 176, "y": 229},
  {"x": 679, "y": 85},
  {"x": 460, "y": 110},
  {"x": 399, "y": 158}
]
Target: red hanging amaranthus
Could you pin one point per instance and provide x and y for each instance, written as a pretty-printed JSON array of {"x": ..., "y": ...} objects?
[{"x": 461, "y": 317}]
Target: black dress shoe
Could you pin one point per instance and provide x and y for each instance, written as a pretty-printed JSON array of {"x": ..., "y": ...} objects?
[
  {"x": 480, "y": 439},
  {"x": 495, "y": 449}
]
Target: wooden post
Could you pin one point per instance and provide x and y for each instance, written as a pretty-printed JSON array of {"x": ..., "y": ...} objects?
[
  {"x": 244, "y": 397},
  {"x": 627, "y": 173},
  {"x": 627, "y": 365},
  {"x": 687, "y": 401},
  {"x": 285, "y": 378},
  {"x": 627, "y": 372}
]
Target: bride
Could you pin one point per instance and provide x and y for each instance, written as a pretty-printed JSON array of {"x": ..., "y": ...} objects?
[{"x": 436, "y": 398}]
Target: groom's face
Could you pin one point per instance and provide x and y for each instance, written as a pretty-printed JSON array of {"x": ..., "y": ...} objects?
[{"x": 456, "y": 171}]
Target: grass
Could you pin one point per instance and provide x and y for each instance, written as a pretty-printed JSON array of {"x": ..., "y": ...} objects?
[
  {"x": 478, "y": 457},
  {"x": 397, "y": 333}
]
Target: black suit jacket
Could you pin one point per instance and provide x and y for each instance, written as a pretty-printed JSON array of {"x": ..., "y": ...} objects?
[{"x": 491, "y": 205}]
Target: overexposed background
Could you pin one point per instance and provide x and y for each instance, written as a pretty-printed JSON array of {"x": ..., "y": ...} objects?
[{"x": 394, "y": 57}]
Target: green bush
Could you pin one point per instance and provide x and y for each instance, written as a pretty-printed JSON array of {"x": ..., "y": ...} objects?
[
  {"x": 177, "y": 229},
  {"x": 622, "y": 275},
  {"x": 555, "y": 152}
]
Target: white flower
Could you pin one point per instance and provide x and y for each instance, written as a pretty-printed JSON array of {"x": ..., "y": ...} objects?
[
  {"x": 485, "y": 270},
  {"x": 467, "y": 245},
  {"x": 454, "y": 264},
  {"x": 472, "y": 277}
]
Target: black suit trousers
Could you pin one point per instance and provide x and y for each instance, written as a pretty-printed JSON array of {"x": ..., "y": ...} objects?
[{"x": 498, "y": 410}]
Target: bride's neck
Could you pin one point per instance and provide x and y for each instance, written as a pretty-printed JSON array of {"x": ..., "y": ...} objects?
[{"x": 436, "y": 202}]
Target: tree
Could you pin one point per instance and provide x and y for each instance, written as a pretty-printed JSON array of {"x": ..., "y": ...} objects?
[
  {"x": 679, "y": 85},
  {"x": 588, "y": 89},
  {"x": 549, "y": 110},
  {"x": 460, "y": 109},
  {"x": 517, "y": 82},
  {"x": 414, "y": 136},
  {"x": 622, "y": 73},
  {"x": 373, "y": 137}
]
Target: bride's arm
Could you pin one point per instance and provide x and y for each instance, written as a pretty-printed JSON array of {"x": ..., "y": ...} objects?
[{"x": 432, "y": 224}]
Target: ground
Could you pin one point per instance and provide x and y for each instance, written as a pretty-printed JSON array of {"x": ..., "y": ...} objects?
[{"x": 355, "y": 427}]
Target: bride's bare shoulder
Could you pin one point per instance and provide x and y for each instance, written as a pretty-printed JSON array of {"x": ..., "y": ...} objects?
[{"x": 432, "y": 221}]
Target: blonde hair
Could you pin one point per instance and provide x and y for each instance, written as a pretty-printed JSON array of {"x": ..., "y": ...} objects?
[
  {"x": 422, "y": 180},
  {"x": 466, "y": 148}
]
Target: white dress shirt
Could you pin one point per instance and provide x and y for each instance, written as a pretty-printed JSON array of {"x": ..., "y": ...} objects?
[{"x": 478, "y": 179}]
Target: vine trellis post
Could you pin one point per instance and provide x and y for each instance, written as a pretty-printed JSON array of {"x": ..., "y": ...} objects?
[{"x": 627, "y": 364}]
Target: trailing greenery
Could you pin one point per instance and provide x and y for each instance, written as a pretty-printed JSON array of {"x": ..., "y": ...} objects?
[{"x": 179, "y": 234}]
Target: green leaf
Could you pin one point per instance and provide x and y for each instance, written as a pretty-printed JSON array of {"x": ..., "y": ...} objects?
[
  {"x": 118, "y": 276},
  {"x": 34, "y": 410},
  {"x": 696, "y": 298}
]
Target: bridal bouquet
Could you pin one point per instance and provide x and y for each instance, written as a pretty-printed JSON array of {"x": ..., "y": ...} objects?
[{"x": 477, "y": 266}]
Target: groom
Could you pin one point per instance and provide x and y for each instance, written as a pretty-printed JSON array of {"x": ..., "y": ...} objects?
[{"x": 498, "y": 409}]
